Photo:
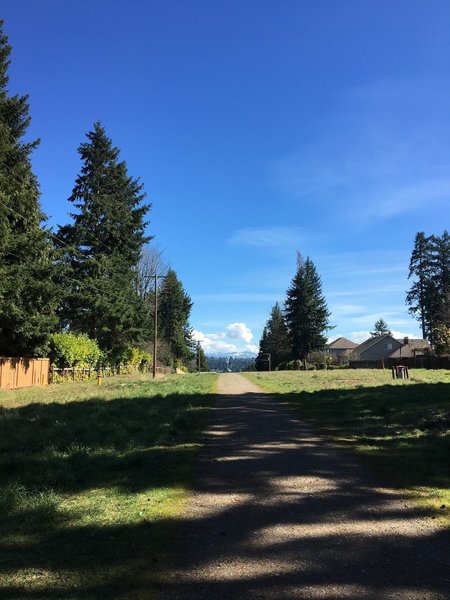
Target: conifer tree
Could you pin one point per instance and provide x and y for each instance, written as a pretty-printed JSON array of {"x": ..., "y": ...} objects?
[
  {"x": 106, "y": 238},
  {"x": 421, "y": 296},
  {"x": 380, "y": 328},
  {"x": 275, "y": 338},
  {"x": 306, "y": 311},
  {"x": 173, "y": 322},
  {"x": 28, "y": 294},
  {"x": 429, "y": 296}
]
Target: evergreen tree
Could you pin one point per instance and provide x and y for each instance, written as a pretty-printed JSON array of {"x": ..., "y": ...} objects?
[
  {"x": 173, "y": 320},
  {"x": 28, "y": 294},
  {"x": 306, "y": 311},
  {"x": 380, "y": 328},
  {"x": 440, "y": 277},
  {"x": 275, "y": 338},
  {"x": 429, "y": 296},
  {"x": 420, "y": 297},
  {"x": 106, "y": 239}
]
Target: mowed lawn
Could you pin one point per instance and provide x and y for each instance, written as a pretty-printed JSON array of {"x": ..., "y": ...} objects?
[
  {"x": 93, "y": 480},
  {"x": 400, "y": 428}
]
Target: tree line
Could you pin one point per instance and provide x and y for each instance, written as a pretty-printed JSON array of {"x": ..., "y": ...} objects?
[
  {"x": 93, "y": 276},
  {"x": 298, "y": 328},
  {"x": 429, "y": 296}
]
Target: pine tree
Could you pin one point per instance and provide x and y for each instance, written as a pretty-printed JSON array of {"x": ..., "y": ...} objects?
[
  {"x": 306, "y": 311},
  {"x": 429, "y": 296},
  {"x": 106, "y": 239},
  {"x": 421, "y": 295},
  {"x": 380, "y": 328},
  {"x": 28, "y": 293},
  {"x": 173, "y": 321},
  {"x": 275, "y": 338}
]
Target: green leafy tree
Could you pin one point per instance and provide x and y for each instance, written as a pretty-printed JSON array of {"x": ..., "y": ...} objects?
[
  {"x": 380, "y": 328},
  {"x": 28, "y": 292},
  {"x": 103, "y": 246},
  {"x": 442, "y": 339},
  {"x": 275, "y": 338},
  {"x": 306, "y": 312},
  {"x": 173, "y": 321}
]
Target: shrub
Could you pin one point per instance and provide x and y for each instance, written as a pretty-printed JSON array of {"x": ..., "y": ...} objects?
[{"x": 74, "y": 350}]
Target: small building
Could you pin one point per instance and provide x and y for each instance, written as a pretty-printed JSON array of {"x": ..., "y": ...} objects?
[
  {"x": 340, "y": 347},
  {"x": 375, "y": 348},
  {"x": 414, "y": 348}
]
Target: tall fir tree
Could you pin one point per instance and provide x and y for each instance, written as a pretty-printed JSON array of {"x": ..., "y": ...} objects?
[
  {"x": 28, "y": 292},
  {"x": 306, "y": 311},
  {"x": 275, "y": 338},
  {"x": 429, "y": 296},
  {"x": 421, "y": 296},
  {"x": 173, "y": 323},
  {"x": 103, "y": 247}
]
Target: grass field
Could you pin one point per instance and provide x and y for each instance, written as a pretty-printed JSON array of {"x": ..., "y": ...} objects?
[
  {"x": 401, "y": 429},
  {"x": 92, "y": 481}
]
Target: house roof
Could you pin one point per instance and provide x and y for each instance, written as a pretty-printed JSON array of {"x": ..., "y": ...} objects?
[
  {"x": 411, "y": 348},
  {"x": 342, "y": 342},
  {"x": 369, "y": 343}
]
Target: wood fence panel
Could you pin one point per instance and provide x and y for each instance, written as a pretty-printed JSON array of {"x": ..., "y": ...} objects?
[{"x": 23, "y": 372}]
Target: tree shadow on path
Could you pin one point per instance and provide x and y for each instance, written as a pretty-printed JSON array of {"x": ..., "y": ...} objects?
[{"x": 278, "y": 512}]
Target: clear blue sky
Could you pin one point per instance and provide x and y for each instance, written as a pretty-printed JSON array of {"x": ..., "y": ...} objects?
[{"x": 258, "y": 128}]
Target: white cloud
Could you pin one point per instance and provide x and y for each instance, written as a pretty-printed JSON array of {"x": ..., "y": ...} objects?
[
  {"x": 239, "y": 331},
  {"x": 216, "y": 343},
  {"x": 212, "y": 343},
  {"x": 252, "y": 348}
]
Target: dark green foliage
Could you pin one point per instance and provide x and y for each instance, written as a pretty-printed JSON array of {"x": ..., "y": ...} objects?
[
  {"x": 232, "y": 364},
  {"x": 380, "y": 328},
  {"x": 28, "y": 294},
  {"x": 306, "y": 311},
  {"x": 275, "y": 338},
  {"x": 429, "y": 296},
  {"x": 104, "y": 245},
  {"x": 173, "y": 319}
]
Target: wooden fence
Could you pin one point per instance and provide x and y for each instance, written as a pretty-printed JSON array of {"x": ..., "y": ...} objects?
[
  {"x": 23, "y": 372},
  {"x": 419, "y": 362}
]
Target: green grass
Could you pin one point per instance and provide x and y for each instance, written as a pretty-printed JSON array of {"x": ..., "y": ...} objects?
[
  {"x": 401, "y": 429},
  {"x": 93, "y": 480}
]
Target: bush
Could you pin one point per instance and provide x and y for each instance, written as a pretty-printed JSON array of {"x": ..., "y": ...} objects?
[
  {"x": 74, "y": 350},
  {"x": 130, "y": 356}
]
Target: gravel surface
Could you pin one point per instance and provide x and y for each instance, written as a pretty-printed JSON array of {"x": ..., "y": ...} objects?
[{"x": 277, "y": 512}]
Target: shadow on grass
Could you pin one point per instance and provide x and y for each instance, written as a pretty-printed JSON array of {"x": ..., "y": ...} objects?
[
  {"x": 83, "y": 452},
  {"x": 402, "y": 431},
  {"x": 296, "y": 514}
]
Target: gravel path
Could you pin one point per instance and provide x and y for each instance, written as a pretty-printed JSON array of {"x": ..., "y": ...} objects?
[{"x": 279, "y": 513}]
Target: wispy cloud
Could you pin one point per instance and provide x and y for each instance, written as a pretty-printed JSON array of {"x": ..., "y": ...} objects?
[
  {"x": 379, "y": 155},
  {"x": 268, "y": 237},
  {"x": 234, "y": 297}
]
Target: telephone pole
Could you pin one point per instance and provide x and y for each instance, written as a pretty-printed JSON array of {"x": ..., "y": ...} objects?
[{"x": 155, "y": 319}]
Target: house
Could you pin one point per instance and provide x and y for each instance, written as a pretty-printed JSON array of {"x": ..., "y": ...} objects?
[
  {"x": 340, "y": 347},
  {"x": 415, "y": 348},
  {"x": 376, "y": 348},
  {"x": 386, "y": 346}
]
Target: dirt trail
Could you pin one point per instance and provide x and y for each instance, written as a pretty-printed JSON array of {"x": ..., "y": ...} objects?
[{"x": 279, "y": 513}]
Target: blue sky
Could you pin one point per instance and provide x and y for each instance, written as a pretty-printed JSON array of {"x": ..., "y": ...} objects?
[{"x": 258, "y": 128}]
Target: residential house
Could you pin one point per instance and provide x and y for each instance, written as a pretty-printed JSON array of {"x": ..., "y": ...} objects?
[
  {"x": 386, "y": 346},
  {"x": 375, "y": 348},
  {"x": 340, "y": 347}
]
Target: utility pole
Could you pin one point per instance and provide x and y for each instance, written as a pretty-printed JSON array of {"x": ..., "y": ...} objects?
[{"x": 155, "y": 319}]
